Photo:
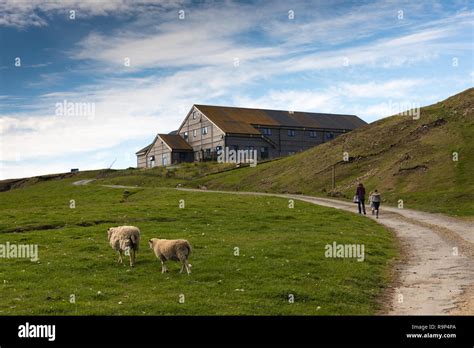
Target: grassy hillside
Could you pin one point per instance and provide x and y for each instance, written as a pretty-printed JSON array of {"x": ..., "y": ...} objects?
[
  {"x": 281, "y": 253},
  {"x": 158, "y": 176},
  {"x": 405, "y": 159}
]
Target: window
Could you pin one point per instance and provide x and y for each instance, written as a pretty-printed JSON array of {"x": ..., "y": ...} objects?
[
  {"x": 152, "y": 161},
  {"x": 185, "y": 135},
  {"x": 194, "y": 132},
  {"x": 266, "y": 131},
  {"x": 194, "y": 115},
  {"x": 204, "y": 130},
  {"x": 164, "y": 159},
  {"x": 330, "y": 135},
  {"x": 313, "y": 134},
  {"x": 291, "y": 132},
  {"x": 218, "y": 148},
  {"x": 291, "y": 153}
]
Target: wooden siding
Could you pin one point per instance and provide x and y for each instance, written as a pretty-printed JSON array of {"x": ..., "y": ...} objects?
[
  {"x": 196, "y": 121},
  {"x": 160, "y": 151},
  {"x": 141, "y": 161}
]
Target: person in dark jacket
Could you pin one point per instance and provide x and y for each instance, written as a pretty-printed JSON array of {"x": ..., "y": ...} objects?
[{"x": 360, "y": 193}]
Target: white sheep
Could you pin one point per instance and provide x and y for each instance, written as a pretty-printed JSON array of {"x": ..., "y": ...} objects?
[
  {"x": 123, "y": 238},
  {"x": 172, "y": 249}
]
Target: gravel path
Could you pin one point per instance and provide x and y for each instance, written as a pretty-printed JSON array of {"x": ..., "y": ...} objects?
[
  {"x": 87, "y": 181},
  {"x": 436, "y": 273},
  {"x": 82, "y": 182}
]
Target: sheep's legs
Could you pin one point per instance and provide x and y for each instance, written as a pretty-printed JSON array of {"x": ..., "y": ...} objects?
[
  {"x": 120, "y": 260},
  {"x": 132, "y": 257},
  {"x": 163, "y": 267},
  {"x": 186, "y": 264}
]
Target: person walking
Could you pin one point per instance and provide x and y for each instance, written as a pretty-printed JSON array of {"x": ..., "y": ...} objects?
[
  {"x": 376, "y": 199},
  {"x": 360, "y": 193},
  {"x": 371, "y": 204}
]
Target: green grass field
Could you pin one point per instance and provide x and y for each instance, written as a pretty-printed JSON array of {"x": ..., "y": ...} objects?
[{"x": 281, "y": 253}]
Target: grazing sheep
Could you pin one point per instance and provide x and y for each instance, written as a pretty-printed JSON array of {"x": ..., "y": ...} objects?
[
  {"x": 171, "y": 249},
  {"x": 124, "y": 238}
]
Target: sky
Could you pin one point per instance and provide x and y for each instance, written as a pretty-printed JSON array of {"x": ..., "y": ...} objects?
[{"x": 86, "y": 84}]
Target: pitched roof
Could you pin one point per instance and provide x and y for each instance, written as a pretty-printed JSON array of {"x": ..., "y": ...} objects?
[
  {"x": 241, "y": 120},
  {"x": 175, "y": 142},
  {"x": 144, "y": 150}
]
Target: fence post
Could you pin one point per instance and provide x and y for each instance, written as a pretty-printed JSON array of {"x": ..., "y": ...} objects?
[{"x": 333, "y": 176}]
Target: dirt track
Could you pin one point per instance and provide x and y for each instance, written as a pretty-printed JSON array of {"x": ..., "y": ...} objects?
[{"x": 436, "y": 273}]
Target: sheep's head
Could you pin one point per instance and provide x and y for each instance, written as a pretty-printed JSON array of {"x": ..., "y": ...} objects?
[
  {"x": 109, "y": 232},
  {"x": 150, "y": 243}
]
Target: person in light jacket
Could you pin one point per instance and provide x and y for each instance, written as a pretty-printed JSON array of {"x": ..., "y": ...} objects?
[
  {"x": 360, "y": 193},
  {"x": 376, "y": 199}
]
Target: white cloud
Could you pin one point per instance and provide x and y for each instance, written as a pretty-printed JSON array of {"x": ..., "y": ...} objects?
[
  {"x": 125, "y": 109},
  {"x": 343, "y": 98},
  {"x": 208, "y": 38},
  {"x": 22, "y": 169},
  {"x": 402, "y": 50},
  {"x": 196, "y": 46},
  {"x": 293, "y": 100},
  {"x": 37, "y": 13},
  {"x": 400, "y": 88},
  {"x": 201, "y": 51}
]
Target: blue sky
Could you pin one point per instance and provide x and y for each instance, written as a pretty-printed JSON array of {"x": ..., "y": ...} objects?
[{"x": 372, "y": 59}]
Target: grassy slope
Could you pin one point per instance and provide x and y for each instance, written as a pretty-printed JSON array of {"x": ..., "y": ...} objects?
[
  {"x": 404, "y": 158},
  {"x": 282, "y": 252}
]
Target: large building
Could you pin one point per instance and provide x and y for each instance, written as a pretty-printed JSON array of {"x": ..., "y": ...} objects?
[{"x": 272, "y": 133}]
